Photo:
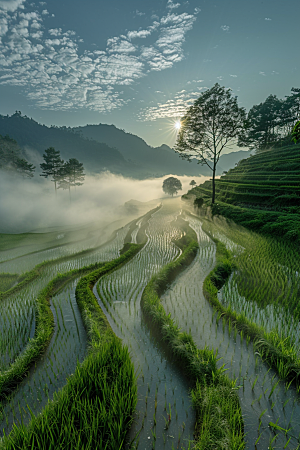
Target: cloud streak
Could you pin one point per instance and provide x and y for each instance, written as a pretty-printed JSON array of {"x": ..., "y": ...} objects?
[{"x": 55, "y": 73}]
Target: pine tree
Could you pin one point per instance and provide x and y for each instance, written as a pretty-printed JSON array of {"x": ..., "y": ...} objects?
[{"x": 52, "y": 166}]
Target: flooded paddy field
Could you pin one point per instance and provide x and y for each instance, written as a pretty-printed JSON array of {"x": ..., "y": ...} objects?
[{"x": 164, "y": 416}]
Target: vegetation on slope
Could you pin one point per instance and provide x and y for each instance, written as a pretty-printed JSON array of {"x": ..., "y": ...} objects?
[{"x": 261, "y": 193}]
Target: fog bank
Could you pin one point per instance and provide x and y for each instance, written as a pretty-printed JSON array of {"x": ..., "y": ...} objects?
[{"x": 31, "y": 204}]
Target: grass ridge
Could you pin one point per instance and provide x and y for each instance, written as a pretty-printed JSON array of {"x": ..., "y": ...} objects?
[
  {"x": 200, "y": 365},
  {"x": 94, "y": 409}
]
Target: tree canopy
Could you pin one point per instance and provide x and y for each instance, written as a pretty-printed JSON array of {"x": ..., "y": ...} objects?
[
  {"x": 71, "y": 174},
  {"x": 12, "y": 160},
  {"x": 272, "y": 121},
  {"x": 52, "y": 166},
  {"x": 214, "y": 122},
  {"x": 171, "y": 186}
]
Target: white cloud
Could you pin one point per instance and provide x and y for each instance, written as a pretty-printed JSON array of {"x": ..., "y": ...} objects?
[
  {"x": 262, "y": 73},
  {"x": 173, "y": 108},
  {"x": 138, "y": 34},
  {"x": 139, "y": 13},
  {"x": 172, "y": 5},
  {"x": 56, "y": 75},
  {"x": 267, "y": 18},
  {"x": 225, "y": 27},
  {"x": 234, "y": 76},
  {"x": 11, "y": 5}
]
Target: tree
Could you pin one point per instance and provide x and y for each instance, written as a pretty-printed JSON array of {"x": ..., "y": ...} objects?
[
  {"x": 71, "y": 174},
  {"x": 296, "y": 132},
  {"x": 11, "y": 158},
  {"x": 193, "y": 183},
  {"x": 52, "y": 166},
  {"x": 263, "y": 124},
  {"x": 214, "y": 122},
  {"x": 171, "y": 185}
]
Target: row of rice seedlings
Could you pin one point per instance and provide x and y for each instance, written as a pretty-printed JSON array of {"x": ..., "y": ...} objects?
[
  {"x": 28, "y": 262},
  {"x": 112, "y": 375},
  {"x": 268, "y": 269},
  {"x": 270, "y": 318},
  {"x": 163, "y": 400},
  {"x": 7, "y": 280},
  {"x": 260, "y": 388},
  {"x": 136, "y": 230},
  {"x": 79, "y": 417},
  {"x": 66, "y": 348},
  {"x": 17, "y": 319},
  {"x": 277, "y": 341}
]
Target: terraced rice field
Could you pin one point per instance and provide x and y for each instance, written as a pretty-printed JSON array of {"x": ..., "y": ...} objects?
[
  {"x": 164, "y": 417},
  {"x": 263, "y": 397}
]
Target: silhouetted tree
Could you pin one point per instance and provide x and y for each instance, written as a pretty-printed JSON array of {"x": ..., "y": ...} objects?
[
  {"x": 52, "y": 166},
  {"x": 211, "y": 124},
  {"x": 71, "y": 174},
  {"x": 171, "y": 186},
  {"x": 193, "y": 183}
]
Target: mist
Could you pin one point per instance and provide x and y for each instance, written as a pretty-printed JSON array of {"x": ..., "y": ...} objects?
[{"x": 31, "y": 205}]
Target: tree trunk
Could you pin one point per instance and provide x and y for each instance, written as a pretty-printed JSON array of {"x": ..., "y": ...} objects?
[{"x": 213, "y": 185}]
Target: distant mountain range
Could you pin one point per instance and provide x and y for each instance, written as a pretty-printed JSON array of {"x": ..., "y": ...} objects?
[{"x": 105, "y": 147}]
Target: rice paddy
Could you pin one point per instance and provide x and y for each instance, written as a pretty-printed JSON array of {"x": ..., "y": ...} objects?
[{"x": 263, "y": 287}]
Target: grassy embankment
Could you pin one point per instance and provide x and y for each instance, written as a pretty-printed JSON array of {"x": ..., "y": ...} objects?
[
  {"x": 262, "y": 193},
  {"x": 219, "y": 423},
  {"x": 94, "y": 409}
]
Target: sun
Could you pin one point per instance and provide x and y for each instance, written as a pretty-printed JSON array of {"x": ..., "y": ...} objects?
[{"x": 177, "y": 125}]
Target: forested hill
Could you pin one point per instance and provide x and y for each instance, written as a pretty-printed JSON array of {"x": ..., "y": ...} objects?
[
  {"x": 261, "y": 192},
  {"x": 34, "y": 136},
  {"x": 105, "y": 147}
]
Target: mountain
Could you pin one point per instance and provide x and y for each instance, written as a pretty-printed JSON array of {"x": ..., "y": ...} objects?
[
  {"x": 32, "y": 136},
  {"x": 104, "y": 147},
  {"x": 228, "y": 161},
  {"x": 152, "y": 161}
]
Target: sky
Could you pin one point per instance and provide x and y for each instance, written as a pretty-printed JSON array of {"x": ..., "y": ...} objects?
[{"x": 140, "y": 64}]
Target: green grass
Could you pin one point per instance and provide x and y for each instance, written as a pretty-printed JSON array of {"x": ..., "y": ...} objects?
[
  {"x": 270, "y": 281},
  {"x": 94, "y": 409},
  {"x": 200, "y": 365},
  {"x": 7, "y": 280}
]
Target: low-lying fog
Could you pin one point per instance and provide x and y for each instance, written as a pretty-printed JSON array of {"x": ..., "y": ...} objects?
[{"x": 31, "y": 204}]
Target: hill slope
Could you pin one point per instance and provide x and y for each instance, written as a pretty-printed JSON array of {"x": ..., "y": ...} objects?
[
  {"x": 261, "y": 193},
  {"x": 95, "y": 156},
  {"x": 157, "y": 161}
]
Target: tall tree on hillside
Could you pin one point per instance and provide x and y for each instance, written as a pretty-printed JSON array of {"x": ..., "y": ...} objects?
[
  {"x": 291, "y": 110},
  {"x": 263, "y": 124},
  {"x": 214, "y": 122},
  {"x": 52, "y": 166},
  {"x": 71, "y": 175},
  {"x": 171, "y": 186},
  {"x": 193, "y": 183}
]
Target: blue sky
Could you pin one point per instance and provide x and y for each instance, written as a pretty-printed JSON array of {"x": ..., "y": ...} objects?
[{"x": 140, "y": 64}]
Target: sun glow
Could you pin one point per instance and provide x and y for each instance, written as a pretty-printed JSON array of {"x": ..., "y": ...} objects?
[{"x": 177, "y": 125}]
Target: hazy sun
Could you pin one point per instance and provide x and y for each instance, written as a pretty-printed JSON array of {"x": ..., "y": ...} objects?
[{"x": 177, "y": 125}]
